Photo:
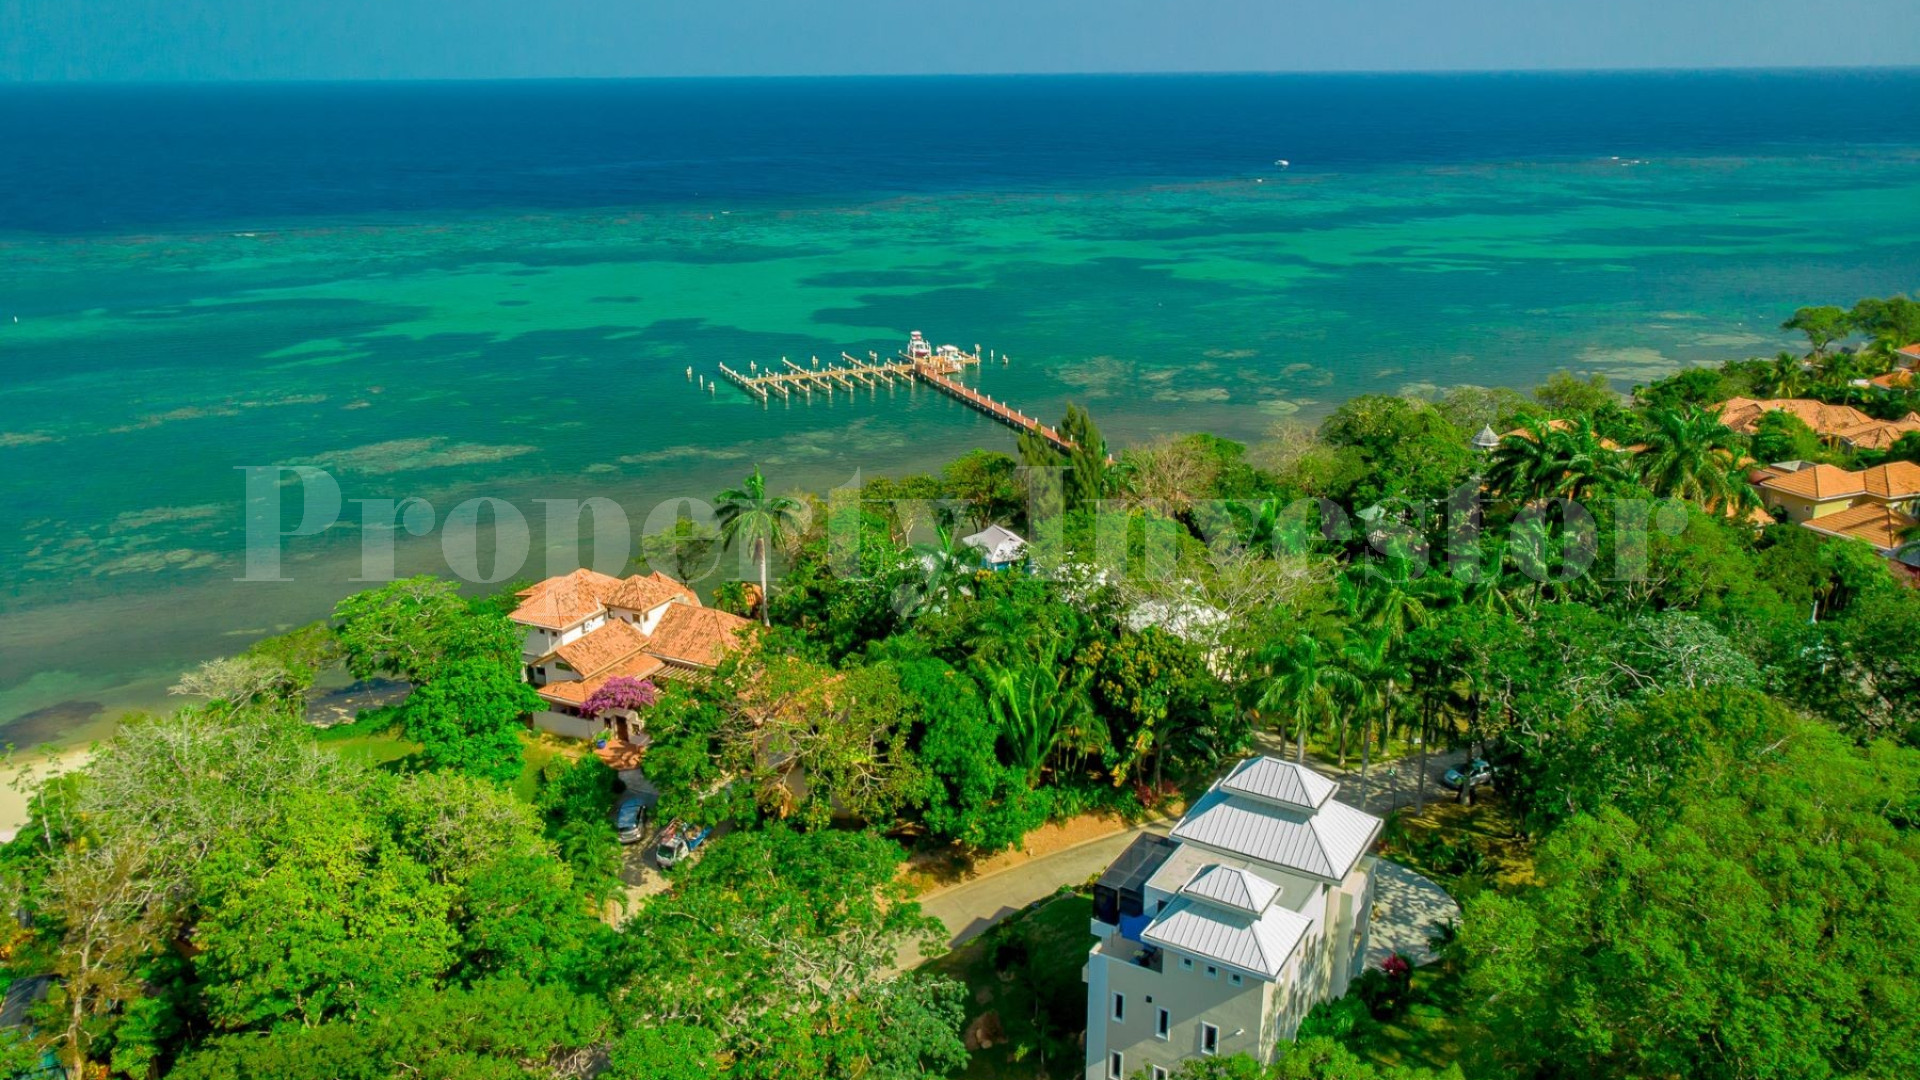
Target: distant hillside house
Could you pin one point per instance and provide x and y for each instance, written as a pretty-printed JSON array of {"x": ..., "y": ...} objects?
[
  {"x": 585, "y": 628},
  {"x": 999, "y": 547},
  {"x": 1876, "y": 505},
  {"x": 1219, "y": 939},
  {"x": 1743, "y": 414},
  {"x": 1908, "y": 356}
]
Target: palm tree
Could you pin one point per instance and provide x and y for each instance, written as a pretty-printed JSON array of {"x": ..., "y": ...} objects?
[
  {"x": 1523, "y": 464},
  {"x": 1691, "y": 455},
  {"x": 1786, "y": 377},
  {"x": 1302, "y": 687},
  {"x": 1549, "y": 458},
  {"x": 1909, "y": 549},
  {"x": 946, "y": 564},
  {"x": 1374, "y": 673},
  {"x": 748, "y": 513},
  {"x": 1392, "y": 596},
  {"x": 1039, "y": 705}
]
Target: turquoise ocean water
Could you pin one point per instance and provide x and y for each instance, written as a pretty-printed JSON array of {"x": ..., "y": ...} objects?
[{"x": 514, "y": 315}]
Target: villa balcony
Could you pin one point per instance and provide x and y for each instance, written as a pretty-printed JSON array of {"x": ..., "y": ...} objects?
[{"x": 1127, "y": 951}]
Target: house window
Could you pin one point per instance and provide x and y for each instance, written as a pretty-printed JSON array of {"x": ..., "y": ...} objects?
[
  {"x": 1119, "y": 1007},
  {"x": 1159, "y": 1073},
  {"x": 1209, "y": 1039},
  {"x": 1212, "y": 972},
  {"x": 1234, "y": 978},
  {"x": 1163, "y": 1022},
  {"x": 1116, "y": 1066},
  {"x": 1186, "y": 963}
]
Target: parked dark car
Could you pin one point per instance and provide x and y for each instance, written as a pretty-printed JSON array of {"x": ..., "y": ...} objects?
[
  {"x": 630, "y": 818},
  {"x": 1471, "y": 775}
]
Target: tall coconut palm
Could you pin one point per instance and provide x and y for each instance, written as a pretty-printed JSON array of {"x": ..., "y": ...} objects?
[
  {"x": 1374, "y": 675},
  {"x": 1303, "y": 686},
  {"x": 1691, "y": 455},
  {"x": 1392, "y": 596},
  {"x": 747, "y": 514},
  {"x": 1553, "y": 458}
]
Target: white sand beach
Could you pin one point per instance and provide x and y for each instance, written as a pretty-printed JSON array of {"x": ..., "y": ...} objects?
[{"x": 23, "y": 775}]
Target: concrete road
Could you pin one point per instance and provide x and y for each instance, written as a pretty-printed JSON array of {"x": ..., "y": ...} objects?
[{"x": 969, "y": 908}]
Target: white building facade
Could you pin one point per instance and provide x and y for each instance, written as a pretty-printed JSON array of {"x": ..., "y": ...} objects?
[{"x": 1220, "y": 939}]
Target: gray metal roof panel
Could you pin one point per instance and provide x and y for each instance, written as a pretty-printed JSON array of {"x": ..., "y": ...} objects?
[
  {"x": 1325, "y": 843},
  {"x": 1257, "y": 944},
  {"x": 1232, "y": 887},
  {"x": 1280, "y": 781}
]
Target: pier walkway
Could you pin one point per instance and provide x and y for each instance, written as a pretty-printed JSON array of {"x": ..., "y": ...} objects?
[
  {"x": 998, "y": 410},
  {"x": 935, "y": 367}
]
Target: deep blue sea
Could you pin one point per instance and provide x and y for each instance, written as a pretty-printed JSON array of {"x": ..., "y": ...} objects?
[
  {"x": 92, "y": 159},
  {"x": 517, "y": 290}
]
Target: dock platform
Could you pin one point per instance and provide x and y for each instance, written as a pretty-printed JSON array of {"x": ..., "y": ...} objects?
[{"x": 918, "y": 362}]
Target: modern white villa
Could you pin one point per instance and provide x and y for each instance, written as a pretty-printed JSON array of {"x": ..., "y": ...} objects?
[{"x": 1218, "y": 940}]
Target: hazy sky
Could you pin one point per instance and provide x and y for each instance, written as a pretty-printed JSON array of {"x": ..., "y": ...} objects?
[{"x": 327, "y": 39}]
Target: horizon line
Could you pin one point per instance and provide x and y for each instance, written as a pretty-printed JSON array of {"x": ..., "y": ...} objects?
[{"x": 1710, "y": 69}]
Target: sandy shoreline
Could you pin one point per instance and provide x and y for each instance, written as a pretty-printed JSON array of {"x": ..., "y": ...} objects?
[{"x": 25, "y": 772}]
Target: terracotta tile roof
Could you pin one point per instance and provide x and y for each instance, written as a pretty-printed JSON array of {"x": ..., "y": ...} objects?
[
  {"x": 1894, "y": 480},
  {"x": 593, "y": 653},
  {"x": 1878, "y": 434},
  {"x": 695, "y": 635},
  {"x": 1881, "y": 526},
  {"x": 1743, "y": 414},
  {"x": 560, "y": 602},
  {"x": 1909, "y": 352},
  {"x": 639, "y": 593},
  {"x": 1893, "y": 380},
  {"x": 576, "y": 691},
  {"x": 1821, "y": 483}
]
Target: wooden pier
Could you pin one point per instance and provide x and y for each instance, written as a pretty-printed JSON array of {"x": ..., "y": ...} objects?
[
  {"x": 998, "y": 410},
  {"x": 850, "y": 374},
  {"x": 935, "y": 367}
]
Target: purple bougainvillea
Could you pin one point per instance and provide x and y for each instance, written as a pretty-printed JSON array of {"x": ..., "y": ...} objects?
[{"x": 620, "y": 692}]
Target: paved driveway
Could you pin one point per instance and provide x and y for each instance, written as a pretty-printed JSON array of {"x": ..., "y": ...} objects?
[
  {"x": 969, "y": 908},
  {"x": 1408, "y": 909}
]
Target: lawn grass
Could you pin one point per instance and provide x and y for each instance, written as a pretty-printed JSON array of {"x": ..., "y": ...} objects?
[
  {"x": 1463, "y": 848},
  {"x": 1026, "y": 971},
  {"x": 537, "y": 748},
  {"x": 378, "y": 742},
  {"x": 374, "y": 740},
  {"x": 1429, "y": 1034}
]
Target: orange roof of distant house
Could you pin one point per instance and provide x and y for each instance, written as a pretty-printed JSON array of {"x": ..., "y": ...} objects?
[
  {"x": 1911, "y": 352},
  {"x": 1893, "y": 380},
  {"x": 695, "y": 635},
  {"x": 1879, "y": 434},
  {"x": 576, "y": 691},
  {"x": 1743, "y": 414},
  {"x": 1894, "y": 480},
  {"x": 590, "y": 654},
  {"x": 1817, "y": 482},
  {"x": 639, "y": 593},
  {"x": 1564, "y": 425},
  {"x": 560, "y": 602},
  {"x": 1881, "y": 526}
]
